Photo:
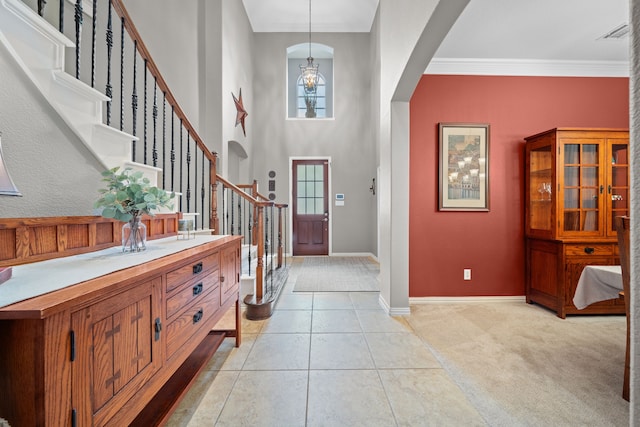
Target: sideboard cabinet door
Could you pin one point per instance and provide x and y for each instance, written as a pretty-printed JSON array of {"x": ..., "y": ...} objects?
[
  {"x": 117, "y": 350},
  {"x": 230, "y": 274}
]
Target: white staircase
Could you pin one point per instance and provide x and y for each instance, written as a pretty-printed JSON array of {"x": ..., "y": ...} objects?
[{"x": 39, "y": 49}]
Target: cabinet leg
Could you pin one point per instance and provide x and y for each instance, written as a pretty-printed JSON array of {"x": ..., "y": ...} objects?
[{"x": 238, "y": 323}]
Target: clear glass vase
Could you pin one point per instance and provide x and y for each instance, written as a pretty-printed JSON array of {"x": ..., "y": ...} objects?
[{"x": 134, "y": 236}]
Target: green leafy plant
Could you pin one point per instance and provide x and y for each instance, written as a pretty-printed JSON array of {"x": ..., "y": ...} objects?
[{"x": 129, "y": 195}]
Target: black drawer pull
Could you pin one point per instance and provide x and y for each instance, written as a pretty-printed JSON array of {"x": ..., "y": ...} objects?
[
  {"x": 198, "y": 316},
  {"x": 197, "y": 289},
  {"x": 197, "y": 268},
  {"x": 158, "y": 328},
  {"x": 589, "y": 250}
]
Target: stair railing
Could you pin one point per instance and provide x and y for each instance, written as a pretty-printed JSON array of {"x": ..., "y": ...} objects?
[
  {"x": 248, "y": 213},
  {"x": 171, "y": 145},
  {"x": 122, "y": 68}
]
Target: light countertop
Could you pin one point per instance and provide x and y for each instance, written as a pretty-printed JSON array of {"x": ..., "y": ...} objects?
[{"x": 39, "y": 278}]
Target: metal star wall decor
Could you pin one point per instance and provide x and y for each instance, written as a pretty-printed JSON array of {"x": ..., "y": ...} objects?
[{"x": 241, "y": 113}]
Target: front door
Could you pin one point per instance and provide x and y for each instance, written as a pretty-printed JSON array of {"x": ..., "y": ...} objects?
[{"x": 310, "y": 207}]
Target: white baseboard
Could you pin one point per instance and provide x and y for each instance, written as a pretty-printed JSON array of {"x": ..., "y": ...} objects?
[
  {"x": 360, "y": 254},
  {"x": 441, "y": 300},
  {"x": 401, "y": 311}
]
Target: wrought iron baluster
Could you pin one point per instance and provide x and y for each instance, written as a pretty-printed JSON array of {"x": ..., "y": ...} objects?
[
  {"x": 286, "y": 240},
  {"x": 121, "y": 73},
  {"x": 195, "y": 177},
  {"x": 279, "y": 236},
  {"x": 240, "y": 216},
  {"x": 60, "y": 16},
  {"x": 223, "y": 229},
  {"x": 250, "y": 238},
  {"x": 164, "y": 137},
  {"x": 267, "y": 246},
  {"x": 78, "y": 20},
  {"x": 94, "y": 24},
  {"x": 181, "y": 163},
  {"x": 109, "y": 89},
  {"x": 41, "y": 5},
  {"x": 134, "y": 99},
  {"x": 146, "y": 115},
  {"x": 173, "y": 149},
  {"x": 232, "y": 216},
  {"x": 188, "y": 171},
  {"x": 202, "y": 192},
  {"x": 211, "y": 193},
  {"x": 273, "y": 248},
  {"x": 154, "y": 151}
]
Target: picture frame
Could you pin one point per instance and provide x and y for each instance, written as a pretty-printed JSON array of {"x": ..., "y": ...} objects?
[{"x": 463, "y": 167}]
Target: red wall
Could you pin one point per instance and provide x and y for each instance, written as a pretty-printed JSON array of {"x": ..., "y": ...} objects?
[{"x": 442, "y": 244}]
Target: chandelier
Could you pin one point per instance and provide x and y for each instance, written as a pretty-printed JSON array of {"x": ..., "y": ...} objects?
[{"x": 309, "y": 76}]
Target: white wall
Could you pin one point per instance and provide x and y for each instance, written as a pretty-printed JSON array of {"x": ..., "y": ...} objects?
[
  {"x": 348, "y": 138},
  {"x": 408, "y": 33},
  {"x": 169, "y": 30},
  {"x": 205, "y": 54},
  {"x": 51, "y": 167},
  {"x": 237, "y": 73}
]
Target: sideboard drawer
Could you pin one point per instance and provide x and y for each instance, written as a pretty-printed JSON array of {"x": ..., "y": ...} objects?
[
  {"x": 586, "y": 249},
  {"x": 188, "y": 323},
  {"x": 190, "y": 291},
  {"x": 195, "y": 269}
]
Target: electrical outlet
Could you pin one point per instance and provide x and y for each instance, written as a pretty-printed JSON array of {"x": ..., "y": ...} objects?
[{"x": 467, "y": 274}]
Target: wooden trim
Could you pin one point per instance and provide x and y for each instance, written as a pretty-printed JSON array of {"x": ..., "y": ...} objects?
[{"x": 27, "y": 240}]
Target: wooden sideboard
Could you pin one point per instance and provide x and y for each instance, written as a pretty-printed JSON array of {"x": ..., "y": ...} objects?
[{"x": 118, "y": 348}]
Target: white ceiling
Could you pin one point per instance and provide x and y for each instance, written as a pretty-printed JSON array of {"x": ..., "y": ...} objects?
[
  {"x": 334, "y": 16},
  {"x": 566, "y": 30}
]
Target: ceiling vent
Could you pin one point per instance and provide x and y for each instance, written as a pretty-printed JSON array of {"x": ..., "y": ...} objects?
[{"x": 618, "y": 33}]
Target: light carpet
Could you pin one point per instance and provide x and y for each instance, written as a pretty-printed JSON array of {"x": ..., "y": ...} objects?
[
  {"x": 520, "y": 365},
  {"x": 337, "y": 274}
]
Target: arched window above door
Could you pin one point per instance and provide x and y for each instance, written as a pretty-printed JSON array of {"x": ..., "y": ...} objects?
[{"x": 297, "y": 56}]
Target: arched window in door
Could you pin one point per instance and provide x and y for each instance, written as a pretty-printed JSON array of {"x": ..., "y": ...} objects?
[{"x": 296, "y": 56}]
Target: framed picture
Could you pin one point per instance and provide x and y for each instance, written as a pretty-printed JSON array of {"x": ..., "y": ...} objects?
[{"x": 464, "y": 167}]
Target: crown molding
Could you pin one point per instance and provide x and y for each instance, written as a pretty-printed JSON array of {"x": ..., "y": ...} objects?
[{"x": 527, "y": 67}]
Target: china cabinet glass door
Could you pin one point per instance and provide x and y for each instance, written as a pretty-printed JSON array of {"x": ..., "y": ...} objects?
[
  {"x": 582, "y": 187},
  {"x": 540, "y": 188},
  {"x": 618, "y": 186}
]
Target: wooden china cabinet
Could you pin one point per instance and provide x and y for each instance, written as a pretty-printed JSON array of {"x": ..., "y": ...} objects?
[{"x": 576, "y": 183}]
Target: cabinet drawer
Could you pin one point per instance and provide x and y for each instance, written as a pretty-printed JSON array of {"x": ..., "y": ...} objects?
[
  {"x": 187, "y": 324},
  {"x": 195, "y": 269},
  {"x": 191, "y": 291},
  {"x": 586, "y": 249}
]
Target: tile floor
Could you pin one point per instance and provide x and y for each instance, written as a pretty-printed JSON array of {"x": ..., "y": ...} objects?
[{"x": 325, "y": 359}]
